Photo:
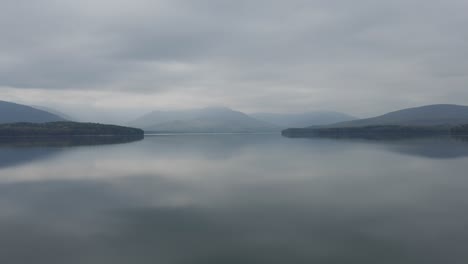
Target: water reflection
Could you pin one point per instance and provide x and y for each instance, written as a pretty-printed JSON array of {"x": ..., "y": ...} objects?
[
  {"x": 438, "y": 147},
  {"x": 65, "y": 141},
  {"x": 19, "y": 150},
  {"x": 435, "y": 147},
  {"x": 233, "y": 199},
  {"x": 13, "y": 156}
]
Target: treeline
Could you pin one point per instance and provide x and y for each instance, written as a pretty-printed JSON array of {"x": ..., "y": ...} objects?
[
  {"x": 386, "y": 131},
  {"x": 66, "y": 129},
  {"x": 461, "y": 130}
]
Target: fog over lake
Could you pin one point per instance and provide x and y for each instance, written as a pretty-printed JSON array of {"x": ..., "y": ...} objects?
[{"x": 181, "y": 199}]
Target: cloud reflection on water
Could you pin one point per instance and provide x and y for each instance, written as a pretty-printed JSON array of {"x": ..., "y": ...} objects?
[{"x": 235, "y": 199}]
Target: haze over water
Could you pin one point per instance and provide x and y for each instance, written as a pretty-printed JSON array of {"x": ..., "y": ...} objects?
[{"x": 235, "y": 199}]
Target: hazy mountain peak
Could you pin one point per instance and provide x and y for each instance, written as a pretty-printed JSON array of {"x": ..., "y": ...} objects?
[
  {"x": 208, "y": 119},
  {"x": 312, "y": 118}
]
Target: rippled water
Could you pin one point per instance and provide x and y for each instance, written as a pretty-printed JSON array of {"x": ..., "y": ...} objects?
[{"x": 235, "y": 199}]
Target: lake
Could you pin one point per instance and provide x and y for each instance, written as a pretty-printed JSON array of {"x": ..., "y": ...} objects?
[{"x": 235, "y": 199}]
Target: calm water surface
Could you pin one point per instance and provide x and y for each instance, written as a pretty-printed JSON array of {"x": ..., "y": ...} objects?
[{"x": 235, "y": 199}]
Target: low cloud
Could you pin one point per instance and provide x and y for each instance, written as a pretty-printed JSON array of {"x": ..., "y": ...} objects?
[{"x": 362, "y": 57}]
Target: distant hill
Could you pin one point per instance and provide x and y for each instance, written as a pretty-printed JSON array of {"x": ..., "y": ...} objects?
[
  {"x": 430, "y": 115},
  {"x": 205, "y": 120},
  {"x": 11, "y": 113},
  {"x": 441, "y": 119},
  {"x": 55, "y": 112},
  {"x": 303, "y": 119}
]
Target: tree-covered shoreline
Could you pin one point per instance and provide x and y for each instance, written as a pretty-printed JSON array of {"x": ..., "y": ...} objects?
[
  {"x": 384, "y": 131},
  {"x": 66, "y": 129},
  {"x": 461, "y": 130}
]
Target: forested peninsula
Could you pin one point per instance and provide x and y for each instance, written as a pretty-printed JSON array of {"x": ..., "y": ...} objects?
[{"x": 66, "y": 128}]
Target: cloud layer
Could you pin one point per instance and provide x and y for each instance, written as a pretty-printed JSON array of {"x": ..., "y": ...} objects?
[{"x": 362, "y": 56}]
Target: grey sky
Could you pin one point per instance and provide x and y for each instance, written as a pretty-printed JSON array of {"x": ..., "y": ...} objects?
[{"x": 363, "y": 57}]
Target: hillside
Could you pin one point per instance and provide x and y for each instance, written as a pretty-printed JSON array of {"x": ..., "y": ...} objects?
[
  {"x": 430, "y": 115},
  {"x": 439, "y": 119},
  {"x": 303, "y": 119},
  {"x": 11, "y": 113},
  {"x": 205, "y": 120}
]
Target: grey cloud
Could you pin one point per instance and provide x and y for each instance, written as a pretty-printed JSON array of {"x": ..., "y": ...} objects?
[{"x": 250, "y": 49}]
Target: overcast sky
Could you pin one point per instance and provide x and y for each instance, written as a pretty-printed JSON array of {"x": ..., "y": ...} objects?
[{"x": 362, "y": 57}]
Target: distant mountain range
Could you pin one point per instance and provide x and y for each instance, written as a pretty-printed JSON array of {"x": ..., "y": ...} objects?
[
  {"x": 430, "y": 119},
  {"x": 12, "y": 113},
  {"x": 204, "y": 120},
  {"x": 427, "y": 120},
  {"x": 303, "y": 119}
]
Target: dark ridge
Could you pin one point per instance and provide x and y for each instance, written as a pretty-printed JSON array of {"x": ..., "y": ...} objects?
[
  {"x": 430, "y": 120},
  {"x": 12, "y": 113},
  {"x": 429, "y": 115}
]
